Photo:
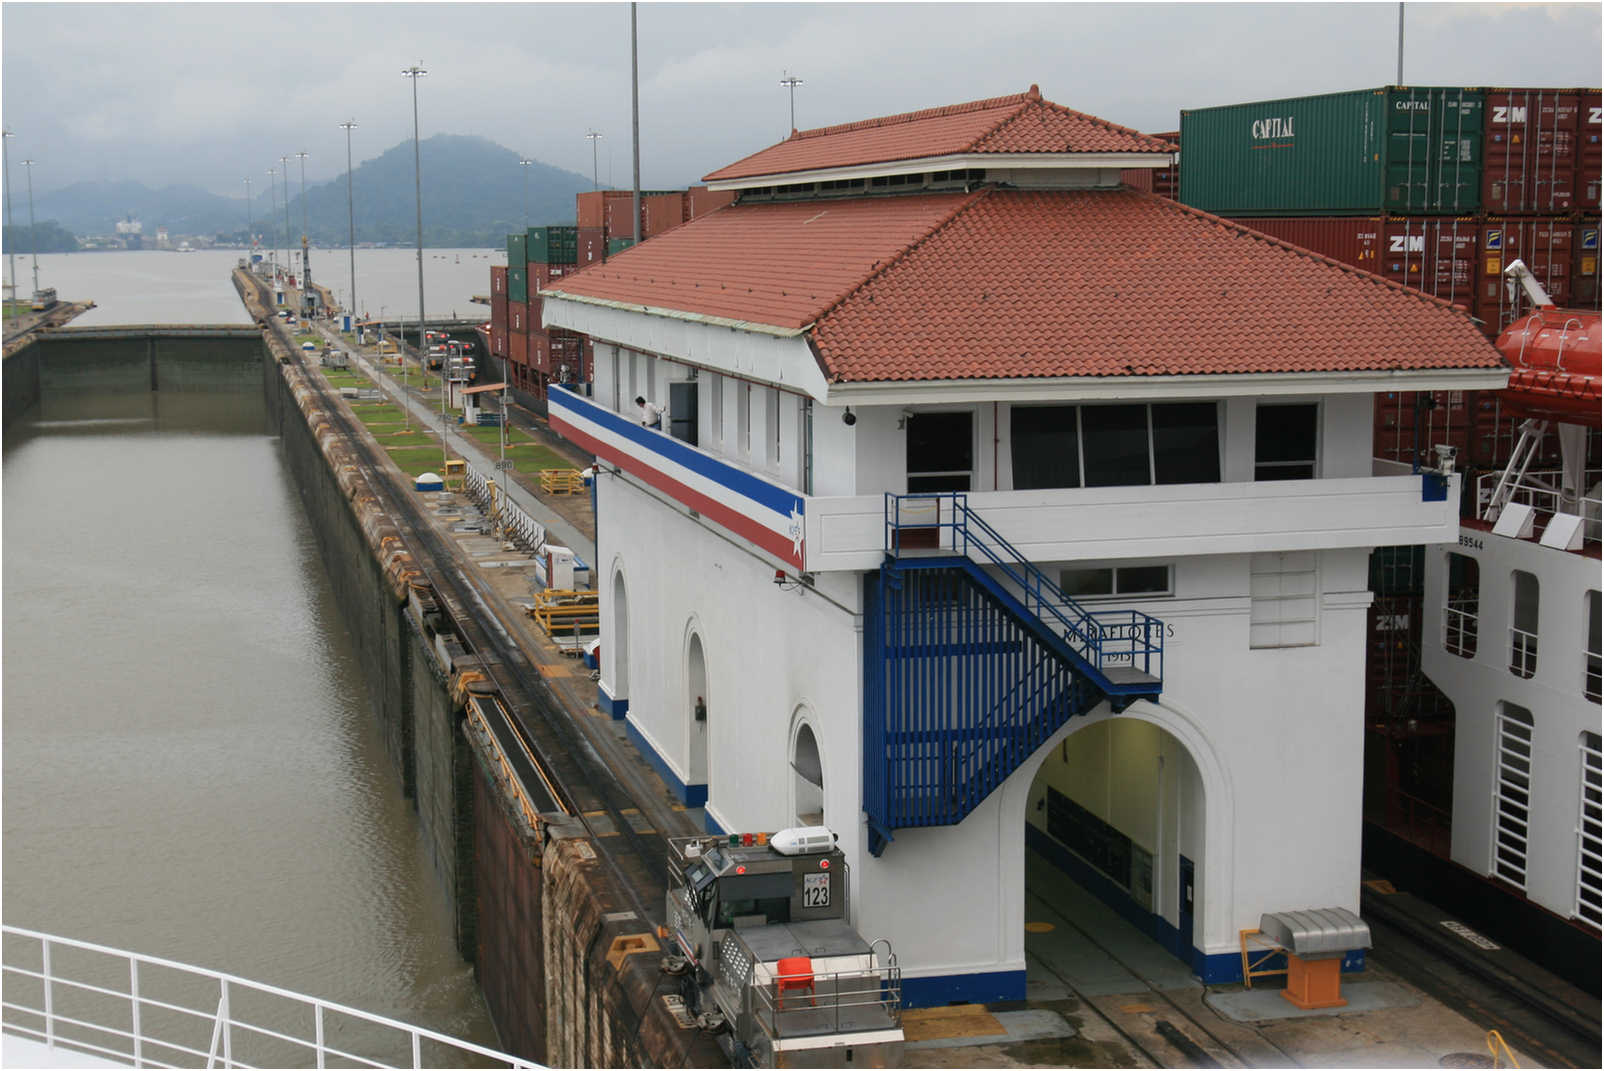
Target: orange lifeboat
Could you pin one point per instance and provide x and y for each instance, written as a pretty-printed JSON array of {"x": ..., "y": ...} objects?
[{"x": 1555, "y": 356}]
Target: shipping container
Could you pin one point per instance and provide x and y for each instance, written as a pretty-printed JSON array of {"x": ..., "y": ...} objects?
[
  {"x": 1355, "y": 241},
  {"x": 619, "y": 222},
  {"x": 592, "y": 245},
  {"x": 616, "y": 246},
  {"x": 1584, "y": 266},
  {"x": 498, "y": 310},
  {"x": 498, "y": 341},
  {"x": 539, "y": 351},
  {"x": 588, "y": 207},
  {"x": 541, "y": 276},
  {"x": 498, "y": 281},
  {"x": 1589, "y": 150},
  {"x": 661, "y": 212},
  {"x": 1367, "y": 152},
  {"x": 517, "y": 317},
  {"x": 701, "y": 200},
  {"x": 517, "y": 249},
  {"x": 518, "y": 283},
  {"x": 1545, "y": 245},
  {"x": 517, "y": 348},
  {"x": 533, "y": 314},
  {"x": 553, "y": 245}
]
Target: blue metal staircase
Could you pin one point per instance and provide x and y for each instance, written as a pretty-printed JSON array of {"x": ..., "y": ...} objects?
[{"x": 974, "y": 657}]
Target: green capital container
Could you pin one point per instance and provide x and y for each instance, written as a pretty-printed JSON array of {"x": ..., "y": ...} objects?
[
  {"x": 553, "y": 245},
  {"x": 618, "y": 245},
  {"x": 1367, "y": 152},
  {"x": 517, "y": 250},
  {"x": 518, "y": 284}
]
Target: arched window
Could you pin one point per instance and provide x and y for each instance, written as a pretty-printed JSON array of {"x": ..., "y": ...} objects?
[{"x": 808, "y": 777}]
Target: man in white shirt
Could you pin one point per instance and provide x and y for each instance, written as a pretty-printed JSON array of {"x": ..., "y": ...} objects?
[{"x": 651, "y": 414}]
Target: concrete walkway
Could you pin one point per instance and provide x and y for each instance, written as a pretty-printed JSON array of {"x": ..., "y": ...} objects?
[{"x": 558, "y": 529}]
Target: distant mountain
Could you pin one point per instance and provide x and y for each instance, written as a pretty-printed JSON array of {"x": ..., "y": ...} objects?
[{"x": 473, "y": 195}]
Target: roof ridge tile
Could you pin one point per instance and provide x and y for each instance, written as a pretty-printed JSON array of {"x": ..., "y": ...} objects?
[
  {"x": 912, "y": 117},
  {"x": 1097, "y": 120}
]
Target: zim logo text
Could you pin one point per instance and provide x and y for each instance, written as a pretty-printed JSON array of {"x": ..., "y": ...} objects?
[
  {"x": 1506, "y": 113},
  {"x": 1406, "y": 243}
]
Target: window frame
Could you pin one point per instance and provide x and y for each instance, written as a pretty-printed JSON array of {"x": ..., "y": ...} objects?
[
  {"x": 1114, "y": 571},
  {"x": 1319, "y": 426},
  {"x": 1078, "y": 409},
  {"x": 1462, "y": 616}
]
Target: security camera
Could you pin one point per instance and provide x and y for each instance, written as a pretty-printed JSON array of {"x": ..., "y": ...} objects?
[
  {"x": 849, "y": 418},
  {"x": 1445, "y": 458}
]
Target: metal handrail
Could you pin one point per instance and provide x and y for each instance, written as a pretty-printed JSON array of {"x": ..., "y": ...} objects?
[
  {"x": 46, "y": 1023},
  {"x": 875, "y": 987},
  {"x": 1542, "y": 491},
  {"x": 1088, "y": 633}
]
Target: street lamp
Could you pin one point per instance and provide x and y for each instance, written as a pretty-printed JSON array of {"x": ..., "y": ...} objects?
[
  {"x": 415, "y": 72},
  {"x": 595, "y": 176},
  {"x": 272, "y": 176},
  {"x": 791, "y": 81},
  {"x": 525, "y": 165},
  {"x": 250, "y": 242},
  {"x": 304, "y": 273},
  {"x": 285, "y": 171},
  {"x": 33, "y": 230},
  {"x": 350, "y": 212},
  {"x": 13, "y": 253}
]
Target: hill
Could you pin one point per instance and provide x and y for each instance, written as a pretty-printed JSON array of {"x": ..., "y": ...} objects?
[{"x": 473, "y": 195}]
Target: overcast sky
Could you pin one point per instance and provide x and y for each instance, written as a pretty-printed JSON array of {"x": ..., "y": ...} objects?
[{"x": 211, "y": 93}]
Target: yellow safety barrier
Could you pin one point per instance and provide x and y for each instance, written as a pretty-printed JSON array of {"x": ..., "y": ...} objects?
[
  {"x": 1254, "y": 943},
  {"x": 562, "y": 481},
  {"x": 1495, "y": 1044},
  {"x": 571, "y": 613}
]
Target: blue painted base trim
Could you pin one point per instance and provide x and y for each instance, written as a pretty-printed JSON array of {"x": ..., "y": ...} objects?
[
  {"x": 942, "y": 989},
  {"x": 690, "y": 795},
  {"x": 1221, "y": 968},
  {"x": 710, "y": 824},
  {"x": 613, "y": 708}
]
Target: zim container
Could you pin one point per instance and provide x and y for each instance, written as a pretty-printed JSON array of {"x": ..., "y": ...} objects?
[{"x": 1366, "y": 152}]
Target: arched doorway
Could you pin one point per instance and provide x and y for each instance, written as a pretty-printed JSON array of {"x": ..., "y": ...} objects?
[
  {"x": 617, "y": 651},
  {"x": 697, "y": 709},
  {"x": 807, "y": 777},
  {"x": 1115, "y": 830}
]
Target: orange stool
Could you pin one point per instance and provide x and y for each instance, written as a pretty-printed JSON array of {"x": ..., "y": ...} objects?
[
  {"x": 794, "y": 972},
  {"x": 1314, "y": 983}
]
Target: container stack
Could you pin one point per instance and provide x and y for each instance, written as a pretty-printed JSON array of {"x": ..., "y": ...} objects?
[
  {"x": 498, "y": 312},
  {"x": 1437, "y": 189},
  {"x": 534, "y": 258}
]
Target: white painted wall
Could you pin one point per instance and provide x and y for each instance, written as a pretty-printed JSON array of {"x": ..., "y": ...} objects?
[{"x": 1560, "y": 713}]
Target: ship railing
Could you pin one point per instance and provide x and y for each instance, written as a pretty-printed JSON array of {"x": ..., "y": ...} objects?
[
  {"x": 838, "y": 1002},
  {"x": 1541, "y": 491},
  {"x": 143, "y": 1011},
  {"x": 1460, "y": 626}
]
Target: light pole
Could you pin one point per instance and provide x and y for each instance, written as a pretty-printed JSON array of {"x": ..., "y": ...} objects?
[
  {"x": 350, "y": 213},
  {"x": 415, "y": 72},
  {"x": 595, "y": 175},
  {"x": 304, "y": 279},
  {"x": 250, "y": 242},
  {"x": 525, "y": 165},
  {"x": 791, "y": 81},
  {"x": 634, "y": 121},
  {"x": 13, "y": 253},
  {"x": 33, "y": 229},
  {"x": 272, "y": 176},
  {"x": 285, "y": 171}
]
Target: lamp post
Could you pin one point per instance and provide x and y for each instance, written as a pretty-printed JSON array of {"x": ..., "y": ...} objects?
[
  {"x": 595, "y": 174},
  {"x": 285, "y": 171},
  {"x": 249, "y": 224},
  {"x": 415, "y": 72},
  {"x": 791, "y": 81},
  {"x": 12, "y": 253},
  {"x": 350, "y": 214},
  {"x": 33, "y": 230},
  {"x": 272, "y": 176},
  {"x": 304, "y": 273},
  {"x": 525, "y": 165}
]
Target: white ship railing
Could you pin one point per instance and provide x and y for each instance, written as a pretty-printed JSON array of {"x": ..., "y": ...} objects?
[
  {"x": 144, "y": 1011},
  {"x": 1540, "y": 490}
]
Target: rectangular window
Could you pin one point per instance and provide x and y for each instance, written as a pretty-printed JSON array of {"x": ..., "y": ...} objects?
[
  {"x": 716, "y": 401},
  {"x": 743, "y": 417},
  {"x": 1116, "y": 442},
  {"x": 1590, "y": 833},
  {"x": 772, "y": 407},
  {"x": 1126, "y": 580},
  {"x": 1114, "y": 445},
  {"x": 1045, "y": 442},
  {"x": 1523, "y": 629},
  {"x": 1284, "y": 600},
  {"x": 941, "y": 451},
  {"x": 1464, "y": 598},
  {"x": 1590, "y": 672},
  {"x": 1512, "y": 794},
  {"x": 1286, "y": 439}
]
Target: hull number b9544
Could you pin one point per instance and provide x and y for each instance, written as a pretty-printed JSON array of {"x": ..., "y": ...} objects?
[{"x": 1470, "y": 541}]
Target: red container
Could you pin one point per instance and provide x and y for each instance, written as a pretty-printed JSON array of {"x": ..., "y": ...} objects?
[
  {"x": 517, "y": 348},
  {"x": 703, "y": 200},
  {"x": 498, "y": 311},
  {"x": 498, "y": 341},
  {"x": 660, "y": 213},
  {"x": 517, "y": 317},
  {"x": 539, "y": 351},
  {"x": 592, "y": 245},
  {"x": 589, "y": 208},
  {"x": 533, "y": 322},
  {"x": 498, "y": 281},
  {"x": 542, "y": 275},
  {"x": 1352, "y": 240},
  {"x": 618, "y": 221}
]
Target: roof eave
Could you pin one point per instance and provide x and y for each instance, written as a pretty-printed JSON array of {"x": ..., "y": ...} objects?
[
  {"x": 950, "y": 162},
  {"x": 753, "y": 326},
  {"x": 1139, "y": 387}
]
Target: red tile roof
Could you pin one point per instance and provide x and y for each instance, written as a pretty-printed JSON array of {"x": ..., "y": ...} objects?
[
  {"x": 1022, "y": 123},
  {"x": 1012, "y": 284}
]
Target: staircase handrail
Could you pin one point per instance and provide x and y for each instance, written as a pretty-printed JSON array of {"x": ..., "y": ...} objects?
[{"x": 1084, "y": 625}]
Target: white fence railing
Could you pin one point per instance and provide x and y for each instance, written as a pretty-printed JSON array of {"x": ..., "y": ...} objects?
[
  {"x": 150, "y": 1012},
  {"x": 516, "y": 525}
]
